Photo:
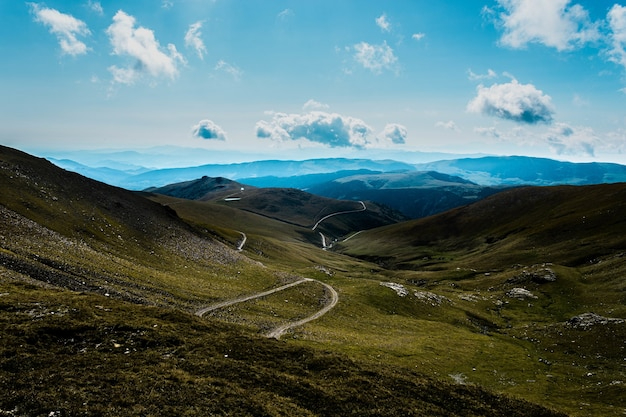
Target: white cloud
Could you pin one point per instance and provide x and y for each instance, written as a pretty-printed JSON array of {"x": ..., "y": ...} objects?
[
  {"x": 394, "y": 133},
  {"x": 314, "y": 105},
  {"x": 513, "y": 101},
  {"x": 418, "y": 36},
  {"x": 193, "y": 40},
  {"x": 477, "y": 77},
  {"x": 167, "y": 4},
  {"x": 553, "y": 23},
  {"x": 95, "y": 6},
  {"x": 376, "y": 58},
  {"x": 449, "y": 125},
  {"x": 617, "y": 23},
  {"x": 383, "y": 23},
  {"x": 331, "y": 129},
  {"x": 140, "y": 45},
  {"x": 564, "y": 139},
  {"x": 207, "y": 129},
  {"x": 64, "y": 26},
  {"x": 233, "y": 70}
]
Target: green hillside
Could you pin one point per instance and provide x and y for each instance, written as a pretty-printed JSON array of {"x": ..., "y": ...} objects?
[{"x": 100, "y": 290}]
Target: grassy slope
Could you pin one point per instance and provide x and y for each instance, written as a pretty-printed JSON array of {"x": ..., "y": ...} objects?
[
  {"x": 120, "y": 339},
  {"x": 476, "y": 254}
]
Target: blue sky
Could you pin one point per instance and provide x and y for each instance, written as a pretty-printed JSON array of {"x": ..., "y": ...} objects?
[{"x": 296, "y": 79}]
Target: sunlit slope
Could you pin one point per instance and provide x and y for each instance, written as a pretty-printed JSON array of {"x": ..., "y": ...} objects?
[
  {"x": 536, "y": 275},
  {"x": 61, "y": 228}
]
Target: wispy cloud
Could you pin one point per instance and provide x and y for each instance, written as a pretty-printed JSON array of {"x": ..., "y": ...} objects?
[
  {"x": 375, "y": 58},
  {"x": 449, "y": 125},
  {"x": 314, "y": 105},
  {"x": 553, "y": 23},
  {"x": 233, "y": 70},
  {"x": 64, "y": 26},
  {"x": 488, "y": 131},
  {"x": 564, "y": 139},
  {"x": 96, "y": 7},
  {"x": 193, "y": 39},
  {"x": 418, "y": 36},
  {"x": 478, "y": 77},
  {"x": 617, "y": 23},
  {"x": 383, "y": 23},
  {"x": 209, "y": 130},
  {"x": 331, "y": 129},
  {"x": 285, "y": 14},
  {"x": 141, "y": 45},
  {"x": 513, "y": 101}
]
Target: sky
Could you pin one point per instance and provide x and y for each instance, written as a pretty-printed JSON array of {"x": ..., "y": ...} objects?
[{"x": 289, "y": 79}]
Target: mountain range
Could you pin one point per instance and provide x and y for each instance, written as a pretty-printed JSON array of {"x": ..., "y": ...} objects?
[{"x": 485, "y": 171}]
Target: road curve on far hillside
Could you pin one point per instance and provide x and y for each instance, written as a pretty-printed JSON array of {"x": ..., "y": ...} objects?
[
  {"x": 363, "y": 208},
  {"x": 244, "y": 238},
  {"x": 334, "y": 298}
]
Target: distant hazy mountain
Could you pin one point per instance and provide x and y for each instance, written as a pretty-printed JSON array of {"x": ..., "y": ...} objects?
[
  {"x": 517, "y": 170},
  {"x": 161, "y": 177},
  {"x": 413, "y": 193},
  {"x": 486, "y": 171}
]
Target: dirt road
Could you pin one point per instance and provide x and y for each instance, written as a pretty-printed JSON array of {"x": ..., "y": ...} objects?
[
  {"x": 363, "y": 208},
  {"x": 279, "y": 331},
  {"x": 334, "y": 298}
]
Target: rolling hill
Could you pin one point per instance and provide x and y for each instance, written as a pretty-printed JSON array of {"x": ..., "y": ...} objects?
[{"x": 287, "y": 205}]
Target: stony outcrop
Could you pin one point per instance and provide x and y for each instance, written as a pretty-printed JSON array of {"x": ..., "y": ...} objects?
[
  {"x": 520, "y": 294},
  {"x": 586, "y": 320}
]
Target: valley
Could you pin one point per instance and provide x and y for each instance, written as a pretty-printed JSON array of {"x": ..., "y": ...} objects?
[{"x": 210, "y": 296}]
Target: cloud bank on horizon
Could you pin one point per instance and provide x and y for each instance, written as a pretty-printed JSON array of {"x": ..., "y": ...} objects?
[{"x": 550, "y": 78}]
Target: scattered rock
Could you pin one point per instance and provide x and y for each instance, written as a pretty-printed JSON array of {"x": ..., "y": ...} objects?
[
  {"x": 398, "y": 288},
  {"x": 540, "y": 274},
  {"x": 459, "y": 378},
  {"x": 520, "y": 294},
  {"x": 431, "y": 298},
  {"x": 470, "y": 297},
  {"x": 586, "y": 320},
  {"x": 325, "y": 270}
]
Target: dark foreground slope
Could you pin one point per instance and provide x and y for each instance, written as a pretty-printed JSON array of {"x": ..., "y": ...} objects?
[
  {"x": 69, "y": 354},
  {"x": 97, "y": 286}
]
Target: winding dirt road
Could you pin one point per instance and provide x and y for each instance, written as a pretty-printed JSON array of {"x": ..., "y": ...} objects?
[
  {"x": 334, "y": 298},
  {"x": 279, "y": 331},
  {"x": 244, "y": 238},
  {"x": 363, "y": 208}
]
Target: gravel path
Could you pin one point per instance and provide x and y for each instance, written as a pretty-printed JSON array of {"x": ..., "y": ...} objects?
[{"x": 279, "y": 331}]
